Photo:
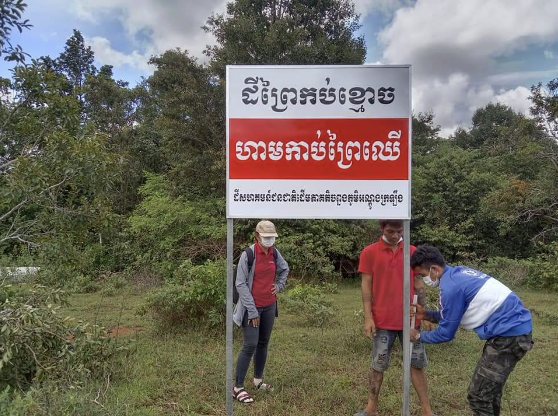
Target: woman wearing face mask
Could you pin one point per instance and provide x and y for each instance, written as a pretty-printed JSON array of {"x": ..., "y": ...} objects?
[{"x": 257, "y": 284}]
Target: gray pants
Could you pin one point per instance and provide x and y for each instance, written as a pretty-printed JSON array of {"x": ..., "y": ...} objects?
[
  {"x": 499, "y": 357},
  {"x": 256, "y": 341}
]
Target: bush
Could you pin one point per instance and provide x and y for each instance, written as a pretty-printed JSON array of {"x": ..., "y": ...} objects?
[
  {"x": 545, "y": 268},
  {"x": 113, "y": 283},
  {"x": 195, "y": 295},
  {"x": 164, "y": 229},
  {"x": 510, "y": 271},
  {"x": 13, "y": 403},
  {"x": 37, "y": 344},
  {"x": 82, "y": 284},
  {"x": 310, "y": 304}
]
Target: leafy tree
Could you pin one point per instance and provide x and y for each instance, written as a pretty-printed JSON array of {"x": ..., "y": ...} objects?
[
  {"x": 165, "y": 230},
  {"x": 545, "y": 107},
  {"x": 486, "y": 124},
  {"x": 191, "y": 120},
  {"x": 54, "y": 173},
  {"x": 113, "y": 110},
  {"x": 76, "y": 62},
  {"x": 10, "y": 18},
  {"x": 286, "y": 32},
  {"x": 448, "y": 190},
  {"x": 425, "y": 134},
  {"x": 109, "y": 104},
  {"x": 529, "y": 202}
]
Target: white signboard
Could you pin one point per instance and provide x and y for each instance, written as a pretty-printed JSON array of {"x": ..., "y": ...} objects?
[{"x": 318, "y": 142}]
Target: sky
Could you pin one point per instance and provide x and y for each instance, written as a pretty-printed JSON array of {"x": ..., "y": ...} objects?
[{"x": 464, "y": 54}]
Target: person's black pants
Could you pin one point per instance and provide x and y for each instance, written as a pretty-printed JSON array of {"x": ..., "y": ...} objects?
[{"x": 256, "y": 341}]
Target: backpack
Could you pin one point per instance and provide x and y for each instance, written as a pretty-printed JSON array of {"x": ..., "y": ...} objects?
[{"x": 250, "y": 255}]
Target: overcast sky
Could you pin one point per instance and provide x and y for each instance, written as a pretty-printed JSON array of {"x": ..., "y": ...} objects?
[{"x": 465, "y": 54}]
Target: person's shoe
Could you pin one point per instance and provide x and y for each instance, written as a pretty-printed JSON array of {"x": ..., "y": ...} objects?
[{"x": 242, "y": 396}]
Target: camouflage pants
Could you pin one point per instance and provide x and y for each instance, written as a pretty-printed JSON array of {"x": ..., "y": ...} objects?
[{"x": 499, "y": 357}]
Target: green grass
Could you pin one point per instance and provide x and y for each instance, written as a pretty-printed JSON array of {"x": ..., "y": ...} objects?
[{"x": 314, "y": 371}]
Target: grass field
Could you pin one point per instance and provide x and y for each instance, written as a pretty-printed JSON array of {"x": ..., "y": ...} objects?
[{"x": 315, "y": 372}]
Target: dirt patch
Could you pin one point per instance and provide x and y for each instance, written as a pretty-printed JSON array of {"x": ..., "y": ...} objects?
[{"x": 120, "y": 331}]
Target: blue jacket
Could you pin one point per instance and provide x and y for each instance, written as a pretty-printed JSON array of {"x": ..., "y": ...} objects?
[{"x": 474, "y": 300}]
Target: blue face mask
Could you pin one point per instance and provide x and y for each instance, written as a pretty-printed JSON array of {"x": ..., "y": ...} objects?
[{"x": 429, "y": 281}]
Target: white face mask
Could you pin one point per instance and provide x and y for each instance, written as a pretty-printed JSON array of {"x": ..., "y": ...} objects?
[
  {"x": 387, "y": 241},
  {"x": 429, "y": 281},
  {"x": 268, "y": 241}
]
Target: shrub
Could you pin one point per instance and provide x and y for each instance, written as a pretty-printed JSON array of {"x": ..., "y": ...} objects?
[
  {"x": 164, "y": 229},
  {"x": 509, "y": 271},
  {"x": 545, "y": 268},
  {"x": 310, "y": 304},
  {"x": 196, "y": 295},
  {"x": 13, "y": 403},
  {"x": 112, "y": 284},
  {"x": 37, "y": 344},
  {"x": 329, "y": 287}
]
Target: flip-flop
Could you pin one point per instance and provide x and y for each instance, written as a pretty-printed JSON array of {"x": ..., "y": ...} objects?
[{"x": 242, "y": 396}]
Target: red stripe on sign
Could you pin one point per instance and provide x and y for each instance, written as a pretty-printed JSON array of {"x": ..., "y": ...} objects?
[{"x": 319, "y": 149}]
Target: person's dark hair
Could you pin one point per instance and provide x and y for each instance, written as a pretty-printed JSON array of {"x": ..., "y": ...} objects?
[
  {"x": 393, "y": 223},
  {"x": 426, "y": 256}
]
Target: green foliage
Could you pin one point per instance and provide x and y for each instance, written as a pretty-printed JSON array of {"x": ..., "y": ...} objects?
[
  {"x": 310, "y": 304},
  {"x": 13, "y": 403},
  {"x": 329, "y": 287},
  {"x": 448, "y": 189},
  {"x": 190, "y": 121},
  {"x": 510, "y": 271},
  {"x": 164, "y": 230},
  {"x": 425, "y": 135},
  {"x": 545, "y": 273},
  {"x": 76, "y": 62},
  {"x": 113, "y": 284},
  {"x": 487, "y": 123},
  {"x": 37, "y": 344},
  {"x": 195, "y": 296},
  {"x": 54, "y": 174},
  {"x": 10, "y": 18},
  {"x": 545, "y": 108},
  {"x": 287, "y": 33}
]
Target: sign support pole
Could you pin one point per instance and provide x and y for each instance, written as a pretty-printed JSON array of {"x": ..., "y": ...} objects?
[
  {"x": 406, "y": 315},
  {"x": 230, "y": 238}
]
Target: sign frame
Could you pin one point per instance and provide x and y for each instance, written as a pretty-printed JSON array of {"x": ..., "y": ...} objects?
[{"x": 280, "y": 214}]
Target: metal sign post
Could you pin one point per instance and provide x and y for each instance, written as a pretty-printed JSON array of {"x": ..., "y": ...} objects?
[
  {"x": 230, "y": 238},
  {"x": 406, "y": 313}
]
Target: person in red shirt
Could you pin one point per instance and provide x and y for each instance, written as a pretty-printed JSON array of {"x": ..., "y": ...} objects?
[
  {"x": 257, "y": 285},
  {"x": 381, "y": 269}
]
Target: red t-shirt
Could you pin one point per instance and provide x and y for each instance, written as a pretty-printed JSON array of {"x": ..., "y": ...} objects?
[
  {"x": 386, "y": 268},
  {"x": 264, "y": 277}
]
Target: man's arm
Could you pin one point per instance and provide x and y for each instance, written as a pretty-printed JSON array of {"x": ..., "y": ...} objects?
[
  {"x": 367, "y": 299},
  {"x": 454, "y": 305}
]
